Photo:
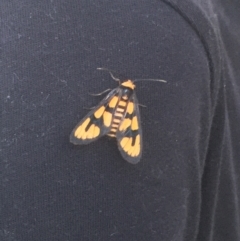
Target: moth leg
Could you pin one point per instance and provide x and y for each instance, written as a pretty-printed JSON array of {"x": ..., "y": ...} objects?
[
  {"x": 89, "y": 108},
  {"x": 101, "y": 93},
  {"x": 142, "y": 105}
]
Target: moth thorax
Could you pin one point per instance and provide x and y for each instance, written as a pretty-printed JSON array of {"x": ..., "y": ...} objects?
[{"x": 126, "y": 93}]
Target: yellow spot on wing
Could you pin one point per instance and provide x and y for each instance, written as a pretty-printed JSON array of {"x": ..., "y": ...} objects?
[
  {"x": 134, "y": 125},
  {"x": 128, "y": 145},
  {"x": 96, "y": 131},
  {"x": 135, "y": 151},
  {"x": 78, "y": 132},
  {"x": 93, "y": 132},
  {"x": 136, "y": 146},
  {"x": 130, "y": 108},
  {"x": 124, "y": 141},
  {"x": 90, "y": 132},
  {"x": 107, "y": 118},
  {"x": 113, "y": 102},
  {"x": 84, "y": 135},
  {"x": 98, "y": 113},
  {"x": 130, "y": 151},
  {"x": 137, "y": 139},
  {"x": 125, "y": 124}
]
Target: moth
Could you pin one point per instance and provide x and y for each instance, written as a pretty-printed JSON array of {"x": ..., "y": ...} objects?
[{"x": 117, "y": 116}]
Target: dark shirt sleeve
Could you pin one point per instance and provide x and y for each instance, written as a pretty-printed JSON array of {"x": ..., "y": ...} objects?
[{"x": 184, "y": 188}]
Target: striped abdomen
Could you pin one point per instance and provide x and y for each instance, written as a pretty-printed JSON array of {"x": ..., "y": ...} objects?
[{"x": 117, "y": 117}]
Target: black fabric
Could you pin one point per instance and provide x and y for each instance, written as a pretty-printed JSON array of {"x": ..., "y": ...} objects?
[{"x": 186, "y": 187}]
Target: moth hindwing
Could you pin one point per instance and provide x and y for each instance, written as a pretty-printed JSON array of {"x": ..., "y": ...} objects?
[{"x": 117, "y": 115}]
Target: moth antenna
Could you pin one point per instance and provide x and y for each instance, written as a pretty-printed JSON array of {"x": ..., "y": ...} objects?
[
  {"x": 101, "y": 93},
  {"x": 109, "y": 71},
  {"x": 157, "y": 80}
]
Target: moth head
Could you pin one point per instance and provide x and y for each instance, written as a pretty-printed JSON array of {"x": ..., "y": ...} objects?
[{"x": 129, "y": 84}]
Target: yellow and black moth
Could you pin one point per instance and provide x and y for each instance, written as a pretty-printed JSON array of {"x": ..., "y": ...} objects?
[{"x": 117, "y": 115}]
